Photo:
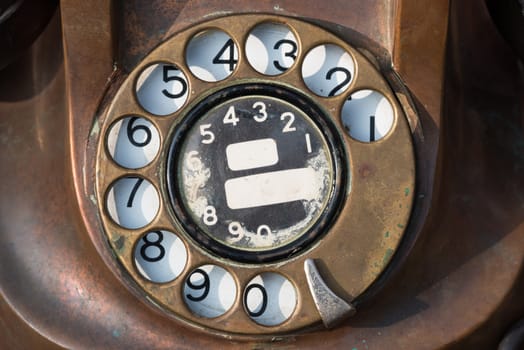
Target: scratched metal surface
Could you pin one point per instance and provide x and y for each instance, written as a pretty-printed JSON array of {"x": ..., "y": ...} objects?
[{"x": 461, "y": 285}]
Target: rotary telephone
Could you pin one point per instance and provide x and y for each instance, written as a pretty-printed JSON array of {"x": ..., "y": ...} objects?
[{"x": 265, "y": 175}]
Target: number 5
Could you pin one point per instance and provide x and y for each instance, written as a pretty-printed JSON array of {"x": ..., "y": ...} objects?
[
  {"x": 207, "y": 135},
  {"x": 168, "y": 78}
]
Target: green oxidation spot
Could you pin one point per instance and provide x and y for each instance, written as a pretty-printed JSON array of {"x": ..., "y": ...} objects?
[
  {"x": 116, "y": 333},
  {"x": 119, "y": 243},
  {"x": 387, "y": 256},
  {"x": 354, "y": 349},
  {"x": 386, "y": 234},
  {"x": 406, "y": 191},
  {"x": 95, "y": 129},
  {"x": 400, "y": 226}
]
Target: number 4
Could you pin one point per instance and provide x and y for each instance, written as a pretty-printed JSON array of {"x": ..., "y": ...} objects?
[
  {"x": 231, "y": 60},
  {"x": 231, "y": 117}
]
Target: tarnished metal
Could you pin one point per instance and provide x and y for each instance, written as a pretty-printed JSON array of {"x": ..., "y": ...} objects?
[
  {"x": 461, "y": 285},
  {"x": 332, "y": 308},
  {"x": 361, "y": 240},
  {"x": 21, "y": 22}
]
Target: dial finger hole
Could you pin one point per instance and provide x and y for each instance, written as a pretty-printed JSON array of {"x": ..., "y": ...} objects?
[
  {"x": 271, "y": 48},
  {"x": 209, "y": 291},
  {"x": 162, "y": 89},
  {"x": 328, "y": 70},
  {"x": 368, "y": 116},
  {"x": 270, "y": 299},
  {"x": 212, "y": 55},
  {"x": 132, "y": 202},
  {"x": 133, "y": 142},
  {"x": 160, "y": 256}
]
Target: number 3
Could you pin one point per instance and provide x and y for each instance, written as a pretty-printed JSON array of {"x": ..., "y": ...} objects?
[
  {"x": 261, "y": 106},
  {"x": 292, "y": 53}
]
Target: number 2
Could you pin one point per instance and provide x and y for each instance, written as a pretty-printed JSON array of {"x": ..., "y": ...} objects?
[
  {"x": 346, "y": 80},
  {"x": 291, "y": 118}
]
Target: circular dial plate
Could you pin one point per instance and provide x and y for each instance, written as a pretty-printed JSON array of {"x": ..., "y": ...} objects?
[
  {"x": 252, "y": 175},
  {"x": 367, "y": 157}
]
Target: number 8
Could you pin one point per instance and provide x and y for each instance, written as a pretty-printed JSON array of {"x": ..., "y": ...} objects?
[
  {"x": 157, "y": 244},
  {"x": 210, "y": 215}
]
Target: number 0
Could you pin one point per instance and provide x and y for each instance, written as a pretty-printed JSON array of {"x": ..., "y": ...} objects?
[{"x": 263, "y": 305}]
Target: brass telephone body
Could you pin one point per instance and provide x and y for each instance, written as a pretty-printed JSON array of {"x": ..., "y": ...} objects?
[{"x": 237, "y": 174}]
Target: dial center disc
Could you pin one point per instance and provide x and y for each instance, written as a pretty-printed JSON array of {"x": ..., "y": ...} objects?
[{"x": 253, "y": 173}]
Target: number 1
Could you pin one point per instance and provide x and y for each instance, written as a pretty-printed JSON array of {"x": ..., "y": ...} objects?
[
  {"x": 371, "y": 128},
  {"x": 308, "y": 144}
]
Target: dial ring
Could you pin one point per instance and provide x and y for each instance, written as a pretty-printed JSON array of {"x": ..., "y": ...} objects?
[{"x": 362, "y": 238}]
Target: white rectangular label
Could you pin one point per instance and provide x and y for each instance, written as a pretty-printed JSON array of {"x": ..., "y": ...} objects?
[
  {"x": 271, "y": 188},
  {"x": 252, "y": 154}
]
